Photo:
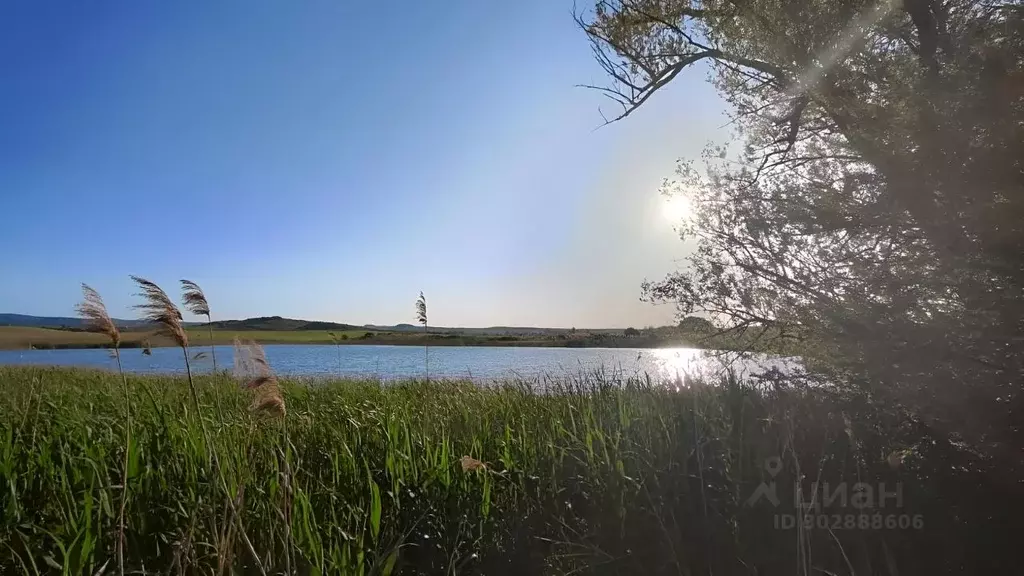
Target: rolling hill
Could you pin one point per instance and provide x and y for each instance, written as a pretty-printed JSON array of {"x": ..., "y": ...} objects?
[
  {"x": 278, "y": 323},
  {"x": 265, "y": 323},
  {"x": 25, "y": 320}
]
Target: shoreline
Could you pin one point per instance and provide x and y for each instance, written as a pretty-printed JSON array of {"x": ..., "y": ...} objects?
[
  {"x": 639, "y": 344},
  {"x": 26, "y": 338}
]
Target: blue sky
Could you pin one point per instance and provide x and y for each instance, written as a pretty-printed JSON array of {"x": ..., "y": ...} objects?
[{"x": 328, "y": 161}]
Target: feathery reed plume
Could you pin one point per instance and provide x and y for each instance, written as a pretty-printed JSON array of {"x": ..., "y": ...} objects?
[
  {"x": 160, "y": 310},
  {"x": 257, "y": 375},
  {"x": 194, "y": 299},
  {"x": 244, "y": 365},
  {"x": 92, "y": 310},
  {"x": 252, "y": 368},
  {"x": 421, "y": 311},
  {"x": 421, "y": 317},
  {"x": 195, "y": 302},
  {"x": 470, "y": 464}
]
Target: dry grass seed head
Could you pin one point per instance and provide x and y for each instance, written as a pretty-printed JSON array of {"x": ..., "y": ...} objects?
[
  {"x": 470, "y": 464},
  {"x": 267, "y": 397},
  {"x": 193, "y": 298},
  {"x": 270, "y": 404},
  {"x": 252, "y": 367},
  {"x": 421, "y": 309},
  {"x": 160, "y": 310},
  {"x": 259, "y": 381},
  {"x": 243, "y": 360},
  {"x": 92, "y": 310}
]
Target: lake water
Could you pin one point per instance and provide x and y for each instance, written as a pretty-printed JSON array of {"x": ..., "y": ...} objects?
[{"x": 479, "y": 363}]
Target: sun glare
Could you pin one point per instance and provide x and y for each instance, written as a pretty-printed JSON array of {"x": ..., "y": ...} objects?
[
  {"x": 675, "y": 209},
  {"x": 676, "y": 364}
]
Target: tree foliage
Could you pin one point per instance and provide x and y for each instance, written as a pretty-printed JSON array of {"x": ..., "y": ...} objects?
[
  {"x": 697, "y": 325},
  {"x": 875, "y": 212}
]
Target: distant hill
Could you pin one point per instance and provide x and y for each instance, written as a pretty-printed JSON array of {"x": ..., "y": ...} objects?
[
  {"x": 397, "y": 328},
  {"x": 57, "y": 321},
  {"x": 262, "y": 323},
  {"x": 488, "y": 331},
  {"x": 279, "y": 323}
]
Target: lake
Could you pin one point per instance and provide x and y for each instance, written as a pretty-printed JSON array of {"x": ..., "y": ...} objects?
[{"x": 479, "y": 363}]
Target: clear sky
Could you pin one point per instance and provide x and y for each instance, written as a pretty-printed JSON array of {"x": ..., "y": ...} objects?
[{"x": 328, "y": 160}]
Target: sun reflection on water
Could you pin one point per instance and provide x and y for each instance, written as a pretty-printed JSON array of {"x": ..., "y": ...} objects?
[
  {"x": 677, "y": 365},
  {"x": 679, "y": 368}
]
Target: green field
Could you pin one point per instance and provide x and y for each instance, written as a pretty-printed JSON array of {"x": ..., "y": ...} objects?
[
  {"x": 23, "y": 338},
  {"x": 345, "y": 337},
  {"x": 595, "y": 476},
  {"x": 202, "y": 336}
]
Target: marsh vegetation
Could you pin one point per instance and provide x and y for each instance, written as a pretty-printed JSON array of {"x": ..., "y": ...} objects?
[{"x": 595, "y": 475}]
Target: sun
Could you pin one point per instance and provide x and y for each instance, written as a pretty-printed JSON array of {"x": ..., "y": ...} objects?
[{"x": 675, "y": 208}]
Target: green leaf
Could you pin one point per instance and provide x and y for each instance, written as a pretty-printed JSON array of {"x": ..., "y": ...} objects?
[
  {"x": 375, "y": 509},
  {"x": 485, "y": 503},
  {"x": 389, "y": 564}
]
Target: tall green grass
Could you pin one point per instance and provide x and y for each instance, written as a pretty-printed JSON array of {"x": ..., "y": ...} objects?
[{"x": 595, "y": 475}]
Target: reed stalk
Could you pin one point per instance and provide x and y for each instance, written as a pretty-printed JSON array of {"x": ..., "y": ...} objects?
[
  {"x": 93, "y": 312},
  {"x": 158, "y": 308},
  {"x": 195, "y": 302},
  {"x": 421, "y": 317}
]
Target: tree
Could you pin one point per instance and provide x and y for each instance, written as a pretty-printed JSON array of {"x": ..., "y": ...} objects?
[
  {"x": 697, "y": 325},
  {"x": 875, "y": 213},
  {"x": 630, "y": 332}
]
